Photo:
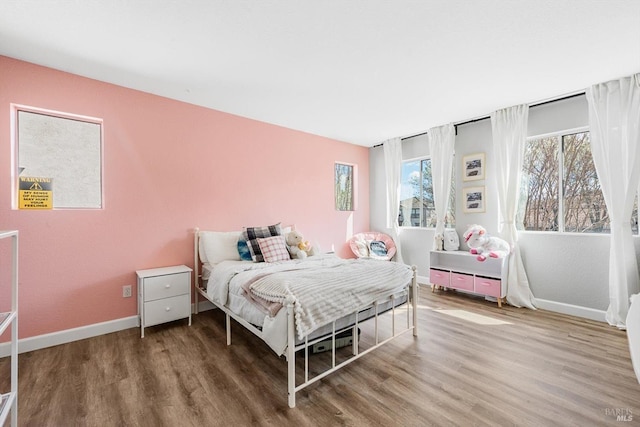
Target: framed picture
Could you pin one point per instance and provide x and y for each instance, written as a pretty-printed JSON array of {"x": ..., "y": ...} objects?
[
  {"x": 473, "y": 199},
  {"x": 473, "y": 167},
  {"x": 343, "y": 185}
]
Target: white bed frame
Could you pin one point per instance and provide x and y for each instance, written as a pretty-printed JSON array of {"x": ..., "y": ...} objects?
[{"x": 410, "y": 291}]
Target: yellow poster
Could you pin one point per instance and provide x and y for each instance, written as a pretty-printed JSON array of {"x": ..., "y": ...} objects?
[{"x": 35, "y": 193}]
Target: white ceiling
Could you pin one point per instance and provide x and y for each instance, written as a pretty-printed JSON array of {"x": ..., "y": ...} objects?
[{"x": 359, "y": 71}]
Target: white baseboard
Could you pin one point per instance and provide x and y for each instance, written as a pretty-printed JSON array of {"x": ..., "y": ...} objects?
[
  {"x": 423, "y": 280},
  {"x": 76, "y": 334},
  {"x": 70, "y": 335},
  {"x": 205, "y": 305},
  {"x": 558, "y": 307},
  {"x": 573, "y": 310}
]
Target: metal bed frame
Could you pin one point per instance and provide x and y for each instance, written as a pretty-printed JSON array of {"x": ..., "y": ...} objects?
[{"x": 410, "y": 291}]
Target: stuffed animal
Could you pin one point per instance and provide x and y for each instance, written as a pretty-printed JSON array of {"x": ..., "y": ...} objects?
[
  {"x": 298, "y": 247},
  {"x": 439, "y": 242},
  {"x": 483, "y": 245}
]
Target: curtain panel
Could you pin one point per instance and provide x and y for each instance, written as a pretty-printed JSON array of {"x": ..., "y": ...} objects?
[
  {"x": 509, "y": 130},
  {"x": 614, "y": 121},
  {"x": 441, "y": 146},
  {"x": 393, "y": 173}
]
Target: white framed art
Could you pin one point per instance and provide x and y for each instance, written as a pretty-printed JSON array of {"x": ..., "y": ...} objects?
[
  {"x": 473, "y": 199},
  {"x": 473, "y": 167}
]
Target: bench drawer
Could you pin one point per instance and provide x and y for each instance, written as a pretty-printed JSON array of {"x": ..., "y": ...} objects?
[
  {"x": 490, "y": 287},
  {"x": 462, "y": 281},
  {"x": 439, "y": 277}
]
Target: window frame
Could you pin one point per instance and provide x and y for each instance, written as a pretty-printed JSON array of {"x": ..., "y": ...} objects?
[
  {"x": 560, "y": 156},
  {"x": 453, "y": 177},
  {"x": 15, "y": 150}
]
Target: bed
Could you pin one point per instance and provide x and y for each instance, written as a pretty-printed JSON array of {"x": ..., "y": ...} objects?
[{"x": 294, "y": 304}]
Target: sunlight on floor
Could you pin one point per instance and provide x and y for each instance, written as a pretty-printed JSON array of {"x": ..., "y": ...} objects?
[
  {"x": 460, "y": 314},
  {"x": 473, "y": 317}
]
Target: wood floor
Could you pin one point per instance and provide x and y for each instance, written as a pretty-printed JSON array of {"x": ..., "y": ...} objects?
[{"x": 530, "y": 368}]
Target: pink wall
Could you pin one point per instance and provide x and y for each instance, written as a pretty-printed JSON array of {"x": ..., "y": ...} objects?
[{"x": 168, "y": 167}]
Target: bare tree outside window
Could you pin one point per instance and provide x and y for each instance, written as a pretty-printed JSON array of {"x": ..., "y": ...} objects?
[
  {"x": 585, "y": 210},
  {"x": 561, "y": 189},
  {"x": 541, "y": 187},
  {"x": 417, "y": 207}
]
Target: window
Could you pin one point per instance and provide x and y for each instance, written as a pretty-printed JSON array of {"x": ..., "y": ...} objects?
[
  {"x": 62, "y": 150},
  {"x": 417, "y": 208},
  {"x": 561, "y": 187}
]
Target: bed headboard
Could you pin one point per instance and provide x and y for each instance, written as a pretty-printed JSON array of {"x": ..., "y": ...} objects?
[{"x": 217, "y": 246}]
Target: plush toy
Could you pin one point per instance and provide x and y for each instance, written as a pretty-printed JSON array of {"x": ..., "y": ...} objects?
[
  {"x": 439, "y": 242},
  {"x": 298, "y": 247},
  {"x": 483, "y": 245}
]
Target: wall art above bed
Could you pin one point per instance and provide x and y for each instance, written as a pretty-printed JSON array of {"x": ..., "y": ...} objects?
[{"x": 344, "y": 187}]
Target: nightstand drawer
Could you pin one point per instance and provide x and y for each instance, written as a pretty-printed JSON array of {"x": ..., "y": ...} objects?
[
  {"x": 166, "y": 286},
  {"x": 439, "y": 277},
  {"x": 486, "y": 286},
  {"x": 166, "y": 310},
  {"x": 462, "y": 281}
]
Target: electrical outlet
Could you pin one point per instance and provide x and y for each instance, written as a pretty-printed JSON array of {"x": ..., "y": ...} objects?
[{"x": 126, "y": 291}]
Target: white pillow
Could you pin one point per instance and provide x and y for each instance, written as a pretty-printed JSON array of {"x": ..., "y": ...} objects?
[
  {"x": 286, "y": 230},
  {"x": 216, "y": 246}
]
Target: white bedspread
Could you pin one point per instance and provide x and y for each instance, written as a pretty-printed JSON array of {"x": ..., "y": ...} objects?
[
  {"x": 224, "y": 286},
  {"x": 323, "y": 293},
  {"x": 323, "y": 288}
]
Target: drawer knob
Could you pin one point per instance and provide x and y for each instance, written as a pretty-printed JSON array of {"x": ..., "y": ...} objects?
[
  {"x": 167, "y": 309},
  {"x": 167, "y": 286}
]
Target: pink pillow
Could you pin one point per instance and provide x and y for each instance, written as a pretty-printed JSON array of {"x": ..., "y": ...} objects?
[{"x": 274, "y": 249}]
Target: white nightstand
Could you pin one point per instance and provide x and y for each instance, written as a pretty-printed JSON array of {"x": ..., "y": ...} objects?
[{"x": 164, "y": 294}]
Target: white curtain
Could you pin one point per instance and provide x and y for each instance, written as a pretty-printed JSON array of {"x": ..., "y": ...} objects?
[
  {"x": 509, "y": 127},
  {"x": 441, "y": 142},
  {"x": 614, "y": 120},
  {"x": 393, "y": 170}
]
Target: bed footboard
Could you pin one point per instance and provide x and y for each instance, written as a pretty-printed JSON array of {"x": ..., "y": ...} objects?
[{"x": 411, "y": 292}]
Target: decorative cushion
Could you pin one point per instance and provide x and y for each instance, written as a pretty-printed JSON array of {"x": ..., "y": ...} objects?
[
  {"x": 274, "y": 249},
  {"x": 216, "y": 246},
  {"x": 363, "y": 246},
  {"x": 252, "y": 234},
  {"x": 359, "y": 246},
  {"x": 377, "y": 249},
  {"x": 451, "y": 240},
  {"x": 243, "y": 250}
]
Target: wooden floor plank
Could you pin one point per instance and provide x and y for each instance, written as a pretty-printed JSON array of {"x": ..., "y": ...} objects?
[{"x": 538, "y": 368}]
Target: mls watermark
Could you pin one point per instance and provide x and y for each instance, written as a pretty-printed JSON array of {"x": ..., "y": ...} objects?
[{"x": 620, "y": 414}]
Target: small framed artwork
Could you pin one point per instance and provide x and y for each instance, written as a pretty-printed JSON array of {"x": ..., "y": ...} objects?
[
  {"x": 473, "y": 167},
  {"x": 473, "y": 199},
  {"x": 344, "y": 187}
]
